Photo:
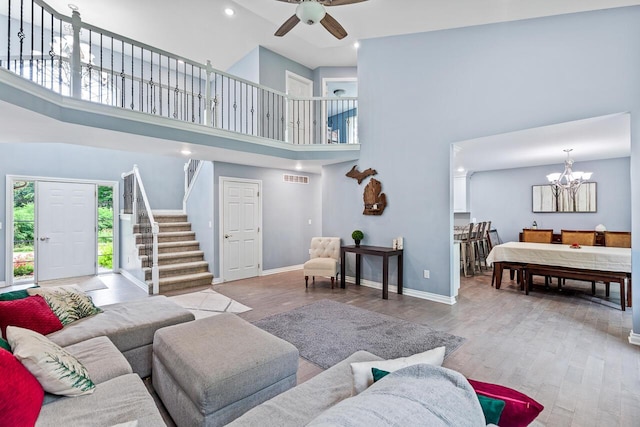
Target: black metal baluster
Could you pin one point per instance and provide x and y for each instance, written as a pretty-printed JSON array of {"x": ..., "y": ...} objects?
[
  {"x": 141, "y": 81},
  {"x": 21, "y": 37},
  {"x": 9, "y": 37},
  {"x": 200, "y": 95},
  {"x": 132, "y": 79},
  {"x": 60, "y": 59},
  {"x": 153, "y": 89},
  {"x": 114, "y": 90},
  {"x": 160, "y": 81},
  {"x": 31, "y": 54}
]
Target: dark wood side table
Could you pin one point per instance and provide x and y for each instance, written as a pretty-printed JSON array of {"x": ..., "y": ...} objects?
[{"x": 385, "y": 253}]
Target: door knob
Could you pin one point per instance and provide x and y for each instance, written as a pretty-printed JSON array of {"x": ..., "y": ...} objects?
[
  {"x": 226, "y": 236},
  {"x": 44, "y": 238}
]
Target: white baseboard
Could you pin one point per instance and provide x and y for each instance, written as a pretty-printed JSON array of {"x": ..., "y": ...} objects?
[
  {"x": 3, "y": 284},
  {"x": 281, "y": 270},
  {"x": 134, "y": 280},
  {"x": 406, "y": 291},
  {"x": 167, "y": 211},
  {"x": 634, "y": 338},
  {"x": 217, "y": 281}
]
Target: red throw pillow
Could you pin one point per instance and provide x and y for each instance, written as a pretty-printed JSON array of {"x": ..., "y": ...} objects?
[
  {"x": 21, "y": 394},
  {"x": 519, "y": 409},
  {"x": 30, "y": 313}
]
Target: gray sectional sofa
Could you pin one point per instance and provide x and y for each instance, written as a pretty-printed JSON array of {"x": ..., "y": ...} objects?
[{"x": 115, "y": 347}]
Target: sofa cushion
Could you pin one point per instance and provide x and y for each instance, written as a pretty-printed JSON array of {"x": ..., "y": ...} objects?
[
  {"x": 101, "y": 358},
  {"x": 57, "y": 371},
  {"x": 5, "y": 344},
  {"x": 298, "y": 406},
  {"x": 416, "y": 395},
  {"x": 116, "y": 401},
  {"x": 363, "y": 376},
  {"x": 20, "y": 393},
  {"x": 32, "y": 313},
  {"x": 128, "y": 325},
  {"x": 69, "y": 303}
]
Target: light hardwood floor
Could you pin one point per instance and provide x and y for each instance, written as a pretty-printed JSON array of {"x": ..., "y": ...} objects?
[{"x": 570, "y": 353}]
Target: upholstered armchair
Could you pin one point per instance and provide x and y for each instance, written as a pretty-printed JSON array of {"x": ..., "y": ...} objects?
[{"x": 324, "y": 259}]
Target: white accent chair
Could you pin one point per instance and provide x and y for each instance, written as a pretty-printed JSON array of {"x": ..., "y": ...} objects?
[{"x": 324, "y": 259}]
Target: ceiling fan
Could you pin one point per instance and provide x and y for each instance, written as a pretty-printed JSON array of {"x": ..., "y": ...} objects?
[{"x": 311, "y": 12}]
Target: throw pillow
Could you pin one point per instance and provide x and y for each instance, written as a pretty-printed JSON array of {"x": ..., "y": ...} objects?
[
  {"x": 69, "y": 303},
  {"x": 57, "y": 371},
  {"x": 363, "y": 378},
  {"x": 32, "y": 313},
  {"x": 10, "y": 296},
  {"x": 20, "y": 393},
  {"x": 519, "y": 410},
  {"x": 4, "y": 344},
  {"x": 378, "y": 374},
  {"x": 492, "y": 408}
]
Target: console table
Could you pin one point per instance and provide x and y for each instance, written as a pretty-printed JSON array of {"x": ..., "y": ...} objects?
[{"x": 385, "y": 253}]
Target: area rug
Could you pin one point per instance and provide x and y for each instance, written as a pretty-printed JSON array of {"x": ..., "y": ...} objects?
[
  {"x": 327, "y": 332},
  {"x": 208, "y": 303},
  {"x": 85, "y": 283}
]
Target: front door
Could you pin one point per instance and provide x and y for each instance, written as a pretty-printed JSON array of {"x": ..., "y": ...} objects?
[
  {"x": 65, "y": 230},
  {"x": 240, "y": 229}
]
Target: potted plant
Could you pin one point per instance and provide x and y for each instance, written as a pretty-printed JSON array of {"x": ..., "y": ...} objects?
[{"x": 357, "y": 236}]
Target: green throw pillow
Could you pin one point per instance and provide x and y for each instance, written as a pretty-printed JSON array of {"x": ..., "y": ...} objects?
[
  {"x": 492, "y": 408},
  {"x": 14, "y": 295},
  {"x": 4, "y": 344},
  {"x": 378, "y": 374}
]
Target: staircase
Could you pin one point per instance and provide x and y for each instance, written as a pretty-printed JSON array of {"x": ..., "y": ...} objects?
[{"x": 180, "y": 261}]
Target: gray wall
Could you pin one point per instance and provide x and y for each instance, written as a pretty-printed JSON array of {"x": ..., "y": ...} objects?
[
  {"x": 248, "y": 67},
  {"x": 493, "y": 191},
  {"x": 163, "y": 176},
  {"x": 286, "y": 210},
  {"x": 200, "y": 209},
  {"x": 273, "y": 69},
  {"x": 466, "y": 83}
]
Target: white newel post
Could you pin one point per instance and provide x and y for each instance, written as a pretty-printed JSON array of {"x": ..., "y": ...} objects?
[
  {"x": 208, "y": 111},
  {"x": 155, "y": 272},
  {"x": 76, "y": 60}
]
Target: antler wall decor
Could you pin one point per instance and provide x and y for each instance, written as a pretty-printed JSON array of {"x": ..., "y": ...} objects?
[{"x": 360, "y": 176}]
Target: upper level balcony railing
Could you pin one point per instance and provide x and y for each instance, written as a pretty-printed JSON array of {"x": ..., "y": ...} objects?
[{"x": 79, "y": 60}]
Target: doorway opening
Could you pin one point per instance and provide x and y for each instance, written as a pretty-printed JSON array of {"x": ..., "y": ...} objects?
[{"x": 33, "y": 227}]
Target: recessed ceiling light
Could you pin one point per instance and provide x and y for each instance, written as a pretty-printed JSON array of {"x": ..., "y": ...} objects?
[
  {"x": 356, "y": 45},
  {"x": 185, "y": 152},
  {"x": 229, "y": 12},
  {"x": 298, "y": 167},
  {"x": 461, "y": 169}
]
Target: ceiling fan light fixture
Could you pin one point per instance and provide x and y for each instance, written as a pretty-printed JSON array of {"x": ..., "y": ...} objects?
[{"x": 310, "y": 12}]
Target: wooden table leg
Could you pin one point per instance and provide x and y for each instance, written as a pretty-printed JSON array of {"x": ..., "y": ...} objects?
[
  {"x": 400, "y": 274},
  {"x": 629, "y": 290},
  {"x": 623, "y": 303},
  {"x": 358, "y": 256},
  {"x": 343, "y": 256},
  {"x": 385, "y": 277}
]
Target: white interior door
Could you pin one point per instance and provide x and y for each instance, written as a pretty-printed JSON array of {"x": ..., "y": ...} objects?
[
  {"x": 241, "y": 229},
  {"x": 299, "y": 112},
  {"x": 66, "y": 216}
]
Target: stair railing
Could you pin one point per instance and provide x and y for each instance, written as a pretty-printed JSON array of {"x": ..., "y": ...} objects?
[
  {"x": 191, "y": 171},
  {"x": 76, "y": 59},
  {"x": 136, "y": 203}
]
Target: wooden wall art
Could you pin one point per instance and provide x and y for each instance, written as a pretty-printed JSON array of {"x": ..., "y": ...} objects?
[
  {"x": 374, "y": 199},
  {"x": 360, "y": 176}
]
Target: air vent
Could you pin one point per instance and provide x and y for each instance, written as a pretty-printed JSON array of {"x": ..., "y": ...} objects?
[{"x": 296, "y": 179}]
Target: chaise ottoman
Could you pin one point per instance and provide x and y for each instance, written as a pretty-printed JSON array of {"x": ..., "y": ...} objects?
[{"x": 210, "y": 371}]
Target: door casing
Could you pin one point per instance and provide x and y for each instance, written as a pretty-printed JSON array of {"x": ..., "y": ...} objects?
[{"x": 221, "y": 182}]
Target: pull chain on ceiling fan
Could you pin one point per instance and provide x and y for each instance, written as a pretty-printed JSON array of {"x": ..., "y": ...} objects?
[{"x": 313, "y": 11}]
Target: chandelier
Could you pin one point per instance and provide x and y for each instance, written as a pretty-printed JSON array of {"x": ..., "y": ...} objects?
[{"x": 569, "y": 180}]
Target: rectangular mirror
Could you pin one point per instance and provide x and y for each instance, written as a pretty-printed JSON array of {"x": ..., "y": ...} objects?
[{"x": 544, "y": 199}]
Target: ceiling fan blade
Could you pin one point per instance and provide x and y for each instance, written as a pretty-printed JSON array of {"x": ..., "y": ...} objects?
[
  {"x": 287, "y": 26},
  {"x": 295, "y": 1},
  {"x": 333, "y": 27},
  {"x": 337, "y": 2}
]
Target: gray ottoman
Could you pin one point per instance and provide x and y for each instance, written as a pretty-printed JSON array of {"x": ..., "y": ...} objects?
[{"x": 210, "y": 371}]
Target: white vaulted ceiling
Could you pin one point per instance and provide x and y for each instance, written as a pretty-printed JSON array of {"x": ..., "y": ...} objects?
[{"x": 199, "y": 29}]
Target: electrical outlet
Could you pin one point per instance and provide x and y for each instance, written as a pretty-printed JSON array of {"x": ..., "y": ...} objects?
[{"x": 426, "y": 274}]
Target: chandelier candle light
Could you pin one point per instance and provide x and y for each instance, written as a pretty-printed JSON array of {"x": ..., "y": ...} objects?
[{"x": 569, "y": 180}]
